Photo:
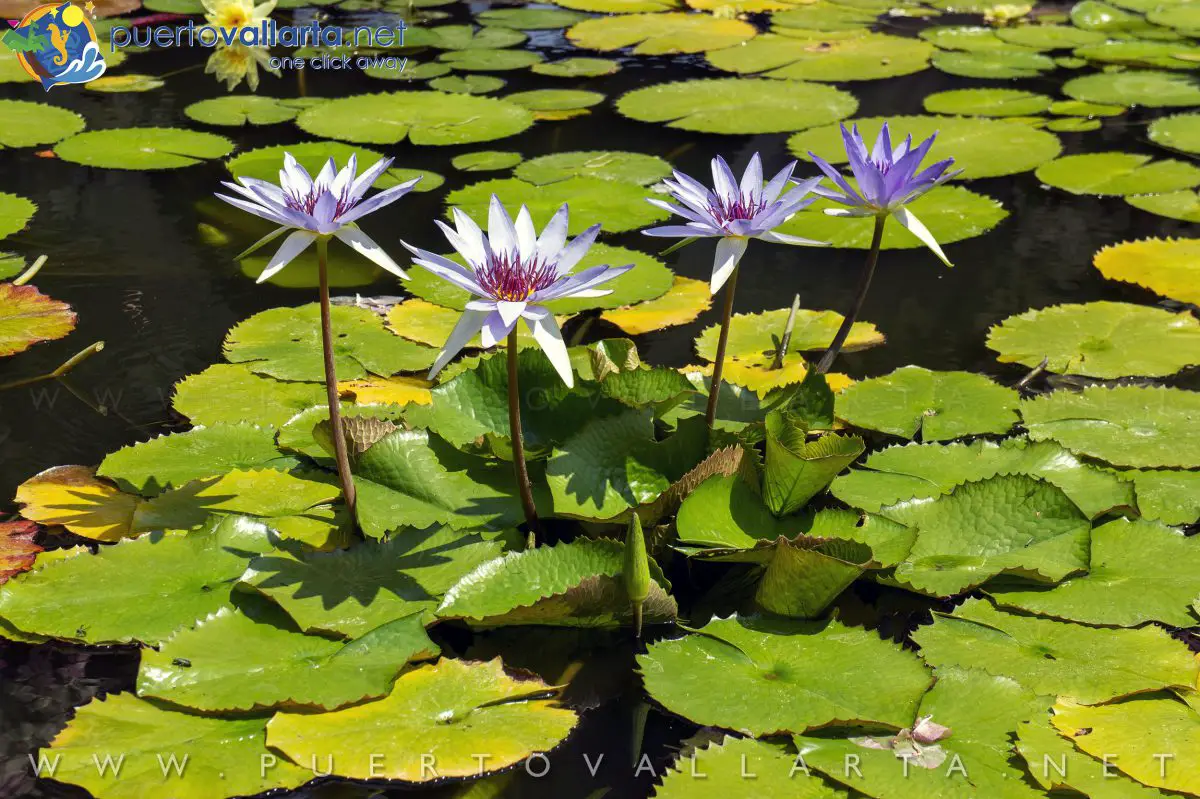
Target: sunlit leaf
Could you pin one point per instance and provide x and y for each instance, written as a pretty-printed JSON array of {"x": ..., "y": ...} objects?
[
  {"x": 17, "y": 548},
  {"x": 421, "y": 117},
  {"x": 660, "y": 34},
  {"x": 1169, "y": 267},
  {"x": 142, "y": 148},
  {"x": 28, "y": 317},
  {"x": 72, "y": 496},
  {"x": 231, "y": 393},
  {"x": 685, "y": 301},
  {"x": 1117, "y": 173},
  {"x": 870, "y": 56},
  {"x": 27, "y": 124}
]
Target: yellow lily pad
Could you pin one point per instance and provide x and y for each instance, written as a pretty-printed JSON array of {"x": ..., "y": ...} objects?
[
  {"x": 1170, "y": 267},
  {"x": 429, "y": 323},
  {"x": 73, "y": 497},
  {"x": 387, "y": 390},
  {"x": 686, "y": 300}
]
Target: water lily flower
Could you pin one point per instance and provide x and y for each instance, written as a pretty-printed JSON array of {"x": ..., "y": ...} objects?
[
  {"x": 736, "y": 211},
  {"x": 231, "y": 64},
  {"x": 887, "y": 181},
  {"x": 234, "y": 14},
  {"x": 512, "y": 271},
  {"x": 317, "y": 208}
]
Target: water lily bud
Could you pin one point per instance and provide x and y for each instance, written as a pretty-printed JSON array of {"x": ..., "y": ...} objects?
[{"x": 637, "y": 570}]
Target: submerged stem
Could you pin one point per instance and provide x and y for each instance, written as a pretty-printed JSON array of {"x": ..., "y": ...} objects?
[
  {"x": 63, "y": 368},
  {"x": 518, "y": 442},
  {"x": 714, "y": 390},
  {"x": 28, "y": 274},
  {"x": 331, "y": 386},
  {"x": 864, "y": 284}
]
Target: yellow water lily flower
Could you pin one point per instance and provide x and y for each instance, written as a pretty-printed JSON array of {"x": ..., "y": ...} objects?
[
  {"x": 237, "y": 62},
  {"x": 234, "y": 14}
]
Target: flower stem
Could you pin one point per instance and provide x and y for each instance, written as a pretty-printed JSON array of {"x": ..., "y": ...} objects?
[
  {"x": 518, "y": 442},
  {"x": 864, "y": 284},
  {"x": 331, "y": 386},
  {"x": 714, "y": 389}
]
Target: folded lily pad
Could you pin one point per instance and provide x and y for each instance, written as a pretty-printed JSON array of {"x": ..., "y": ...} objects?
[
  {"x": 1150, "y": 88},
  {"x": 1057, "y": 658},
  {"x": 577, "y": 67},
  {"x": 142, "y": 148},
  {"x": 1117, "y": 173},
  {"x": 142, "y": 589},
  {"x": 1166, "y": 495},
  {"x": 987, "y": 102},
  {"x": 15, "y": 213},
  {"x": 264, "y": 163},
  {"x": 27, "y": 124},
  {"x": 993, "y": 64},
  {"x": 1100, "y": 339},
  {"x": 577, "y": 584},
  {"x": 352, "y": 591},
  {"x": 798, "y": 469},
  {"x": 938, "y": 405},
  {"x": 228, "y": 654},
  {"x": 1125, "y": 585},
  {"x": 285, "y": 343},
  {"x": 17, "y": 548},
  {"x": 871, "y": 56},
  {"x": 982, "y": 148},
  {"x": 629, "y": 167},
  {"x": 473, "y": 718},
  {"x": 738, "y": 105},
  {"x": 163, "y": 754},
  {"x": 763, "y": 677},
  {"x": 421, "y": 117},
  {"x": 1125, "y": 425},
  {"x": 618, "y": 205},
  {"x": 683, "y": 303},
  {"x": 1165, "y": 266},
  {"x": 172, "y": 460},
  {"x": 660, "y": 34},
  {"x": 923, "y": 471},
  {"x": 28, "y": 317}
]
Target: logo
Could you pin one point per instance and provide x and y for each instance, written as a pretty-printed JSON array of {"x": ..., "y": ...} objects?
[{"x": 56, "y": 44}]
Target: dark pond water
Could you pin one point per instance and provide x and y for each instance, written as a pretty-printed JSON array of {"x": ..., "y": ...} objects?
[{"x": 126, "y": 252}]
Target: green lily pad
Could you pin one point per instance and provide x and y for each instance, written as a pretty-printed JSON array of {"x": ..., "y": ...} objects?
[
  {"x": 826, "y": 17},
  {"x": 228, "y": 653},
  {"x": 993, "y": 64},
  {"x": 556, "y": 99},
  {"x": 163, "y": 754},
  {"x": 231, "y": 393},
  {"x": 467, "y": 84},
  {"x": 490, "y": 60},
  {"x": 28, "y": 317},
  {"x": 1073, "y": 125},
  {"x": 754, "y": 335},
  {"x": 738, "y": 105},
  {"x": 353, "y": 591},
  {"x": 1018, "y": 524},
  {"x": 529, "y": 19},
  {"x": 1079, "y": 108},
  {"x": 1049, "y": 37},
  {"x": 982, "y": 148},
  {"x": 1057, "y": 658},
  {"x": 125, "y": 84},
  {"x": 572, "y": 585},
  {"x": 614, "y": 463},
  {"x": 264, "y": 163},
  {"x": 987, "y": 102},
  {"x": 485, "y": 161},
  {"x": 239, "y": 110},
  {"x": 1092, "y": 15},
  {"x": 1164, "y": 55},
  {"x": 1180, "y": 132},
  {"x": 951, "y": 213},
  {"x": 620, "y": 6},
  {"x": 468, "y": 37},
  {"x": 1125, "y": 426},
  {"x": 938, "y": 405},
  {"x": 410, "y": 478},
  {"x": 1117, "y": 173},
  {"x": 603, "y": 164},
  {"x": 1129, "y": 735},
  {"x": 15, "y": 213},
  {"x": 1165, "y": 266},
  {"x": 421, "y": 117},
  {"x": 798, "y": 469},
  {"x": 619, "y": 205},
  {"x": 1125, "y": 585},
  {"x": 970, "y": 38},
  {"x": 473, "y": 717},
  {"x": 1100, "y": 339},
  {"x": 142, "y": 148},
  {"x": 870, "y": 56},
  {"x": 660, "y": 34},
  {"x": 11, "y": 265},
  {"x": 1167, "y": 495},
  {"x": 285, "y": 343},
  {"x": 717, "y": 770},
  {"x": 924, "y": 471},
  {"x": 1150, "y": 88},
  {"x": 26, "y": 124},
  {"x": 577, "y": 67},
  {"x": 141, "y": 589},
  {"x": 763, "y": 677},
  {"x": 1180, "y": 16},
  {"x": 175, "y": 459}
]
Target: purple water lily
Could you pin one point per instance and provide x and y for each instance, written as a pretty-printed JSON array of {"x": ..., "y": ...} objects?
[
  {"x": 888, "y": 179},
  {"x": 735, "y": 211},
  {"x": 314, "y": 208},
  {"x": 512, "y": 270}
]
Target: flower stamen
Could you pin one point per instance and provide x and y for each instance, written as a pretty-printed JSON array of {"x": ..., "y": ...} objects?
[{"x": 506, "y": 277}]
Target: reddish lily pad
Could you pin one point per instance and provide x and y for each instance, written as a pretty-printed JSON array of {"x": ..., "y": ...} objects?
[
  {"x": 28, "y": 317},
  {"x": 17, "y": 550}
]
